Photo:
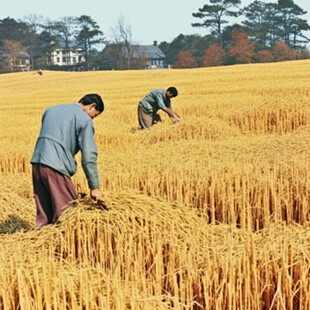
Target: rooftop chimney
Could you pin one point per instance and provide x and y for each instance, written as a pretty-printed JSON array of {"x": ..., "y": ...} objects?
[{"x": 155, "y": 43}]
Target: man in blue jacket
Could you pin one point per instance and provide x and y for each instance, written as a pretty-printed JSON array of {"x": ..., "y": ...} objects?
[
  {"x": 157, "y": 99},
  {"x": 66, "y": 129}
]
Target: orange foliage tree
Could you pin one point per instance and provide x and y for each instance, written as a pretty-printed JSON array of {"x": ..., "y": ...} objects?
[
  {"x": 242, "y": 50},
  {"x": 281, "y": 52},
  {"x": 264, "y": 56},
  {"x": 214, "y": 56},
  {"x": 185, "y": 59},
  {"x": 12, "y": 51}
]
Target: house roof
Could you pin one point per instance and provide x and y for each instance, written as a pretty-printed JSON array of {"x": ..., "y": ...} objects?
[
  {"x": 20, "y": 55},
  {"x": 72, "y": 44},
  {"x": 149, "y": 51}
]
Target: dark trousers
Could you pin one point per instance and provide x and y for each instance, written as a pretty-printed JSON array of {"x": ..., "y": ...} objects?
[
  {"x": 52, "y": 193},
  {"x": 146, "y": 120}
]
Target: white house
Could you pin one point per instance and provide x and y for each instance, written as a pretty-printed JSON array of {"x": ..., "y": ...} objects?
[{"x": 70, "y": 57}]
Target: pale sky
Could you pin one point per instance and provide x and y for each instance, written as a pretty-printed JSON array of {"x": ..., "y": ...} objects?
[{"x": 160, "y": 20}]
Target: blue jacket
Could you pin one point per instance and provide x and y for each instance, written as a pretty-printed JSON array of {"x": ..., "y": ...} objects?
[{"x": 65, "y": 130}]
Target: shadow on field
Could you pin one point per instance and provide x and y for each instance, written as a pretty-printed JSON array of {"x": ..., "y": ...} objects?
[{"x": 13, "y": 224}]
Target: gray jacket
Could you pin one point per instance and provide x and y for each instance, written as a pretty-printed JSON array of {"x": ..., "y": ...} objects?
[
  {"x": 65, "y": 130},
  {"x": 155, "y": 100}
]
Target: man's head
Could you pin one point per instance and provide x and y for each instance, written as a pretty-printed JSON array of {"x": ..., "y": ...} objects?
[
  {"x": 92, "y": 104},
  {"x": 171, "y": 92}
]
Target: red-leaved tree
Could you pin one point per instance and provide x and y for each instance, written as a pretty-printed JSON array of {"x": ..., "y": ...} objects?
[
  {"x": 242, "y": 50},
  {"x": 214, "y": 56},
  {"x": 185, "y": 60},
  {"x": 282, "y": 52},
  {"x": 264, "y": 56}
]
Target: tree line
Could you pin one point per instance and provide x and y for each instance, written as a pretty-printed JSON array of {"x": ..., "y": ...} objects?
[
  {"x": 268, "y": 32},
  {"x": 39, "y": 38}
]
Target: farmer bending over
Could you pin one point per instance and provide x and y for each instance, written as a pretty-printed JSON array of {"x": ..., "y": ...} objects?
[
  {"x": 149, "y": 105},
  {"x": 66, "y": 129}
]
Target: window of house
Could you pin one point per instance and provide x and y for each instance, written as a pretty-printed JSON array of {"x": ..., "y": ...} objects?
[
  {"x": 63, "y": 59},
  {"x": 74, "y": 59},
  {"x": 58, "y": 59}
]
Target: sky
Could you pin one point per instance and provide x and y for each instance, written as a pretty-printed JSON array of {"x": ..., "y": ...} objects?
[{"x": 149, "y": 21}]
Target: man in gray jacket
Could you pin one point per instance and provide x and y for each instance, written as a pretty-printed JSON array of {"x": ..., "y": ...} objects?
[
  {"x": 157, "y": 99},
  {"x": 66, "y": 129}
]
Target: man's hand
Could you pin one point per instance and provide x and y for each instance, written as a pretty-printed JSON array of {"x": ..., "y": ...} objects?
[
  {"x": 176, "y": 118},
  {"x": 173, "y": 116},
  {"x": 96, "y": 194}
]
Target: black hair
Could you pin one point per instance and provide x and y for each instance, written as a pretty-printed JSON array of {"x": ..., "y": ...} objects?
[
  {"x": 173, "y": 91},
  {"x": 93, "y": 98}
]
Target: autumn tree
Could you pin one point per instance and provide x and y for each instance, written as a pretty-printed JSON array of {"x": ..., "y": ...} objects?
[
  {"x": 281, "y": 52},
  {"x": 264, "y": 56},
  {"x": 214, "y": 56},
  {"x": 11, "y": 51},
  {"x": 185, "y": 60},
  {"x": 242, "y": 50},
  {"x": 213, "y": 16}
]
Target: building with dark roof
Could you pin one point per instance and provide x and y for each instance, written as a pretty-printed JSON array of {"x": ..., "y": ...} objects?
[
  {"x": 148, "y": 56},
  {"x": 14, "y": 62},
  {"x": 153, "y": 55}
]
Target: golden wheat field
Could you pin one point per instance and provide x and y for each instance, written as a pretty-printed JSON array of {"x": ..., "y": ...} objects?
[{"x": 209, "y": 213}]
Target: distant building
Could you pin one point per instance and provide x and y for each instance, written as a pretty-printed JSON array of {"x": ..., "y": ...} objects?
[
  {"x": 71, "y": 56},
  {"x": 146, "y": 56},
  {"x": 64, "y": 55},
  {"x": 154, "y": 57},
  {"x": 15, "y": 63}
]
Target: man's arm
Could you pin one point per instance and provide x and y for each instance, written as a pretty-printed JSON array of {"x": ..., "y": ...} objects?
[
  {"x": 89, "y": 159},
  {"x": 168, "y": 110},
  {"x": 172, "y": 114}
]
